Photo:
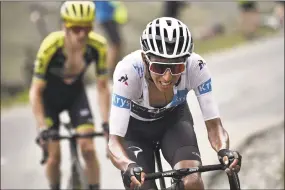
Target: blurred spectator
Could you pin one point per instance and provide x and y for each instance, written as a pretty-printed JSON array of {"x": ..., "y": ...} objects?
[
  {"x": 37, "y": 16},
  {"x": 212, "y": 31},
  {"x": 111, "y": 15},
  {"x": 172, "y": 8},
  {"x": 275, "y": 19},
  {"x": 279, "y": 11},
  {"x": 249, "y": 18}
]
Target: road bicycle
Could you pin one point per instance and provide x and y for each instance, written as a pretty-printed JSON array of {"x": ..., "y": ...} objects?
[
  {"x": 177, "y": 175},
  {"x": 77, "y": 179}
]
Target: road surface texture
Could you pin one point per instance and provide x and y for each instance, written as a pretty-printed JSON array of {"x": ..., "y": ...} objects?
[
  {"x": 262, "y": 164},
  {"x": 248, "y": 84}
]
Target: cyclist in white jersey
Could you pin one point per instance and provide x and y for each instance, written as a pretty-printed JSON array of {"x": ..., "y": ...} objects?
[{"x": 149, "y": 105}]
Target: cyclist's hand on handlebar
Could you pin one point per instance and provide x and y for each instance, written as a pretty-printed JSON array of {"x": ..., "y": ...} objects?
[
  {"x": 42, "y": 137},
  {"x": 231, "y": 159},
  {"x": 105, "y": 127},
  {"x": 134, "y": 176}
]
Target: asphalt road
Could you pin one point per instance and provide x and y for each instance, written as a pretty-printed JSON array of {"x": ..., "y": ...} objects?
[{"x": 248, "y": 84}]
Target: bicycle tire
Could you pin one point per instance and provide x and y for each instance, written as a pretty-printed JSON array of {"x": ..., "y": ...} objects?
[
  {"x": 82, "y": 177},
  {"x": 77, "y": 178},
  {"x": 234, "y": 181},
  {"x": 73, "y": 182}
]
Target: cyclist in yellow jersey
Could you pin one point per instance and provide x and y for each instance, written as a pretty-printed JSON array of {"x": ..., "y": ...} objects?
[{"x": 57, "y": 85}]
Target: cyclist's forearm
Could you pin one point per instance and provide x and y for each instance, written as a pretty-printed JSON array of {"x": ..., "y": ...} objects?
[
  {"x": 117, "y": 153},
  {"x": 38, "y": 109},
  {"x": 104, "y": 102},
  {"x": 217, "y": 135}
]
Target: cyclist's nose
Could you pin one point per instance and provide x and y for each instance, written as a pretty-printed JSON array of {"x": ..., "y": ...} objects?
[
  {"x": 82, "y": 33},
  {"x": 167, "y": 75}
]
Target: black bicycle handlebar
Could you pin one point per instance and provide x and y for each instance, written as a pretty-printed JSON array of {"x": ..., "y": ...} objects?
[
  {"x": 76, "y": 136},
  {"x": 233, "y": 178},
  {"x": 56, "y": 136},
  {"x": 183, "y": 172}
]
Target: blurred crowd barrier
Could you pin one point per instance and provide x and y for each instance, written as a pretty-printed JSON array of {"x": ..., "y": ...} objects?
[{"x": 25, "y": 24}]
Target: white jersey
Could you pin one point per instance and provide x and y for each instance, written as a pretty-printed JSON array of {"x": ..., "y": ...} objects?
[{"x": 130, "y": 95}]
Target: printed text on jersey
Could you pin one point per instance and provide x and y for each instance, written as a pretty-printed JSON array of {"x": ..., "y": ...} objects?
[{"x": 120, "y": 101}]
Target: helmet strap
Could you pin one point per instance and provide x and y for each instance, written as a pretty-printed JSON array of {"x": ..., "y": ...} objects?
[
  {"x": 147, "y": 67},
  {"x": 149, "y": 75}
]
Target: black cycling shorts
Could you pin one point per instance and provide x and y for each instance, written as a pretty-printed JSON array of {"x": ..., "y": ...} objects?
[
  {"x": 174, "y": 132},
  {"x": 111, "y": 27},
  {"x": 76, "y": 105}
]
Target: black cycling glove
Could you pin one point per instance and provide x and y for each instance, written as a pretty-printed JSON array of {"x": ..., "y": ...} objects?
[
  {"x": 42, "y": 135},
  {"x": 105, "y": 127},
  {"x": 232, "y": 155},
  {"x": 133, "y": 170}
]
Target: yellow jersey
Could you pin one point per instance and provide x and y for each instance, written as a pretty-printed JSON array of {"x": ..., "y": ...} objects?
[{"x": 49, "y": 63}]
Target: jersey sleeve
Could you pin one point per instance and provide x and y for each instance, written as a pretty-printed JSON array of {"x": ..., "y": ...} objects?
[
  {"x": 46, "y": 51},
  {"x": 99, "y": 43},
  {"x": 201, "y": 83},
  {"x": 126, "y": 87}
]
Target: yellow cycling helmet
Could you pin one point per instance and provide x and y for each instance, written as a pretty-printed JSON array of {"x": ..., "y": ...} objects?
[{"x": 78, "y": 12}]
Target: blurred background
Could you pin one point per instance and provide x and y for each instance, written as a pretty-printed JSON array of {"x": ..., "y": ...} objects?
[{"x": 216, "y": 27}]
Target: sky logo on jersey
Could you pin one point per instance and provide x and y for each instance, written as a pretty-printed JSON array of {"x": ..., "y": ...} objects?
[
  {"x": 205, "y": 87},
  {"x": 180, "y": 97},
  {"x": 121, "y": 101}
]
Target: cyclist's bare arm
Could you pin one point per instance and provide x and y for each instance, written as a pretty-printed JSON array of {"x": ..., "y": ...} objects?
[
  {"x": 126, "y": 87},
  {"x": 44, "y": 54},
  {"x": 104, "y": 98},
  {"x": 217, "y": 135},
  {"x": 202, "y": 84},
  {"x": 35, "y": 95},
  {"x": 117, "y": 153}
]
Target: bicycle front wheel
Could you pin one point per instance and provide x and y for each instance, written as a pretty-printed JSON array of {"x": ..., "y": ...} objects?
[{"x": 77, "y": 179}]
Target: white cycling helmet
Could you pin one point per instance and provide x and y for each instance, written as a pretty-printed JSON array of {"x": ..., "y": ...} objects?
[{"x": 167, "y": 37}]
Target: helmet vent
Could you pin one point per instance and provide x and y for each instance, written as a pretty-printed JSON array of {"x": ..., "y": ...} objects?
[
  {"x": 81, "y": 10},
  {"x": 157, "y": 31},
  {"x": 66, "y": 10},
  {"x": 74, "y": 10},
  {"x": 165, "y": 33},
  {"x": 168, "y": 22},
  {"x": 88, "y": 10}
]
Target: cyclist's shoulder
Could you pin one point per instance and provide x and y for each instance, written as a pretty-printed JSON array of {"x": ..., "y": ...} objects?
[
  {"x": 133, "y": 58},
  {"x": 195, "y": 63},
  {"x": 96, "y": 40},
  {"x": 195, "y": 59},
  {"x": 52, "y": 41},
  {"x": 131, "y": 64}
]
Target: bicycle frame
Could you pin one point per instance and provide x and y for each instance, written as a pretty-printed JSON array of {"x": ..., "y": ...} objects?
[
  {"x": 159, "y": 165},
  {"x": 77, "y": 178}
]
